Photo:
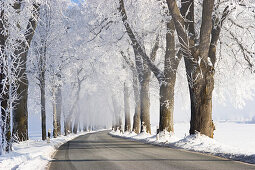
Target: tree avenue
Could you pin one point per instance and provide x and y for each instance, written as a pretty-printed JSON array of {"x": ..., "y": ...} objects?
[{"x": 120, "y": 63}]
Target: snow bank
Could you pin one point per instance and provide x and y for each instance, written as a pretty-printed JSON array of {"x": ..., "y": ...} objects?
[
  {"x": 34, "y": 153},
  {"x": 200, "y": 143}
]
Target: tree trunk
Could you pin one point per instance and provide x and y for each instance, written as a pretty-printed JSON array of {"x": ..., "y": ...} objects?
[
  {"x": 70, "y": 128},
  {"x": 145, "y": 103},
  {"x": 55, "y": 125},
  {"x": 113, "y": 121},
  {"x": 5, "y": 128},
  {"x": 201, "y": 105},
  {"x": 120, "y": 124},
  {"x": 43, "y": 105},
  {"x": 167, "y": 86},
  {"x": 5, "y": 139},
  {"x": 117, "y": 123},
  {"x": 76, "y": 121},
  {"x": 59, "y": 109},
  {"x": 6, "y": 90},
  {"x": 136, "y": 119},
  {"x": 20, "y": 114},
  {"x": 85, "y": 128},
  {"x": 75, "y": 126},
  {"x": 66, "y": 127},
  {"x": 167, "y": 106},
  {"x": 127, "y": 109}
]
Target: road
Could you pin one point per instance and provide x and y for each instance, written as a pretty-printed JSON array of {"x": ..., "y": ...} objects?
[{"x": 102, "y": 151}]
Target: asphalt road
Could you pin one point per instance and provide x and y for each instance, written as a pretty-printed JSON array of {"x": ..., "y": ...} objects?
[{"x": 102, "y": 151}]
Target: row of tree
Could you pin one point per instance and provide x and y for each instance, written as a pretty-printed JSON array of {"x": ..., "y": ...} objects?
[
  {"x": 33, "y": 55},
  {"x": 113, "y": 46}
]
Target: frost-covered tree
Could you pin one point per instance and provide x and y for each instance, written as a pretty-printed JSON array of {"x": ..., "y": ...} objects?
[
  {"x": 198, "y": 35},
  {"x": 17, "y": 24},
  {"x": 166, "y": 78},
  {"x": 48, "y": 57}
]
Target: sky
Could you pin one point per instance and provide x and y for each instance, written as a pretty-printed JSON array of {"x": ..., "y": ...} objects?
[{"x": 76, "y": 1}]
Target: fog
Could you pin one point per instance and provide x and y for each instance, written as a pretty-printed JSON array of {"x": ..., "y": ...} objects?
[{"x": 96, "y": 109}]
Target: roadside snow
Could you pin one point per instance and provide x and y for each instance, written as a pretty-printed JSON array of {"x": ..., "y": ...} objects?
[
  {"x": 232, "y": 140},
  {"x": 34, "y": 153}
]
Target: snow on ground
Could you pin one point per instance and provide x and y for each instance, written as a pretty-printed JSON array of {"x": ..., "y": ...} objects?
[
  {"x": 231, "y": 140},
  {"x": 34, "y": 153}
]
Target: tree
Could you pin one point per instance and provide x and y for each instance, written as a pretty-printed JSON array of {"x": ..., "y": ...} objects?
[
  {"x": 41, "y": 64},
  {"x": 74, "y": 111},
  {"x": 15, "y": 41},
  {"x": 142, "y": 69},
  {"x": 20, "y": 124},
  {"x": 167, "y": 78},
  {"x": 200, "y": 57},
  {"x": 49, "y": 56}
]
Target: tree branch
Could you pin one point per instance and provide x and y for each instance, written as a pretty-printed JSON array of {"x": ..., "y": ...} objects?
[
  {"x": 215, "y": 35},
  {"x": 137, "y": 47}
]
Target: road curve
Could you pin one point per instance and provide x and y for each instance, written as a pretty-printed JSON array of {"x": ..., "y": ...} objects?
[{"x": 102, "y": 151}]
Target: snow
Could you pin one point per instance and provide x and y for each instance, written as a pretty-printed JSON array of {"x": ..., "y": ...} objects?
[
  {"x": 34, "y": 153},
  {"x": 231, "y": 140}
]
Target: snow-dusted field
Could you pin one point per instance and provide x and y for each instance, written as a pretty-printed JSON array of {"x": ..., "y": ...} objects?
[
  {"x": 34, "y": 153},
  {"x": 231, "y": 140}
]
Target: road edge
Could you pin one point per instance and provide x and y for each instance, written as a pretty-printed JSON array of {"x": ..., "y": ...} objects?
[{"x": 183, "y": 149}]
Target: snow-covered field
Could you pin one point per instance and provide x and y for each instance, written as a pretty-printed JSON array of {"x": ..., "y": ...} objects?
[
  {"x": 34, "y": 153},
  {"x": 231, "y": 140}
]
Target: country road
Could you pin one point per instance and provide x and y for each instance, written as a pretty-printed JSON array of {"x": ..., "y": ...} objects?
[{"x": 102, "y": 151}]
